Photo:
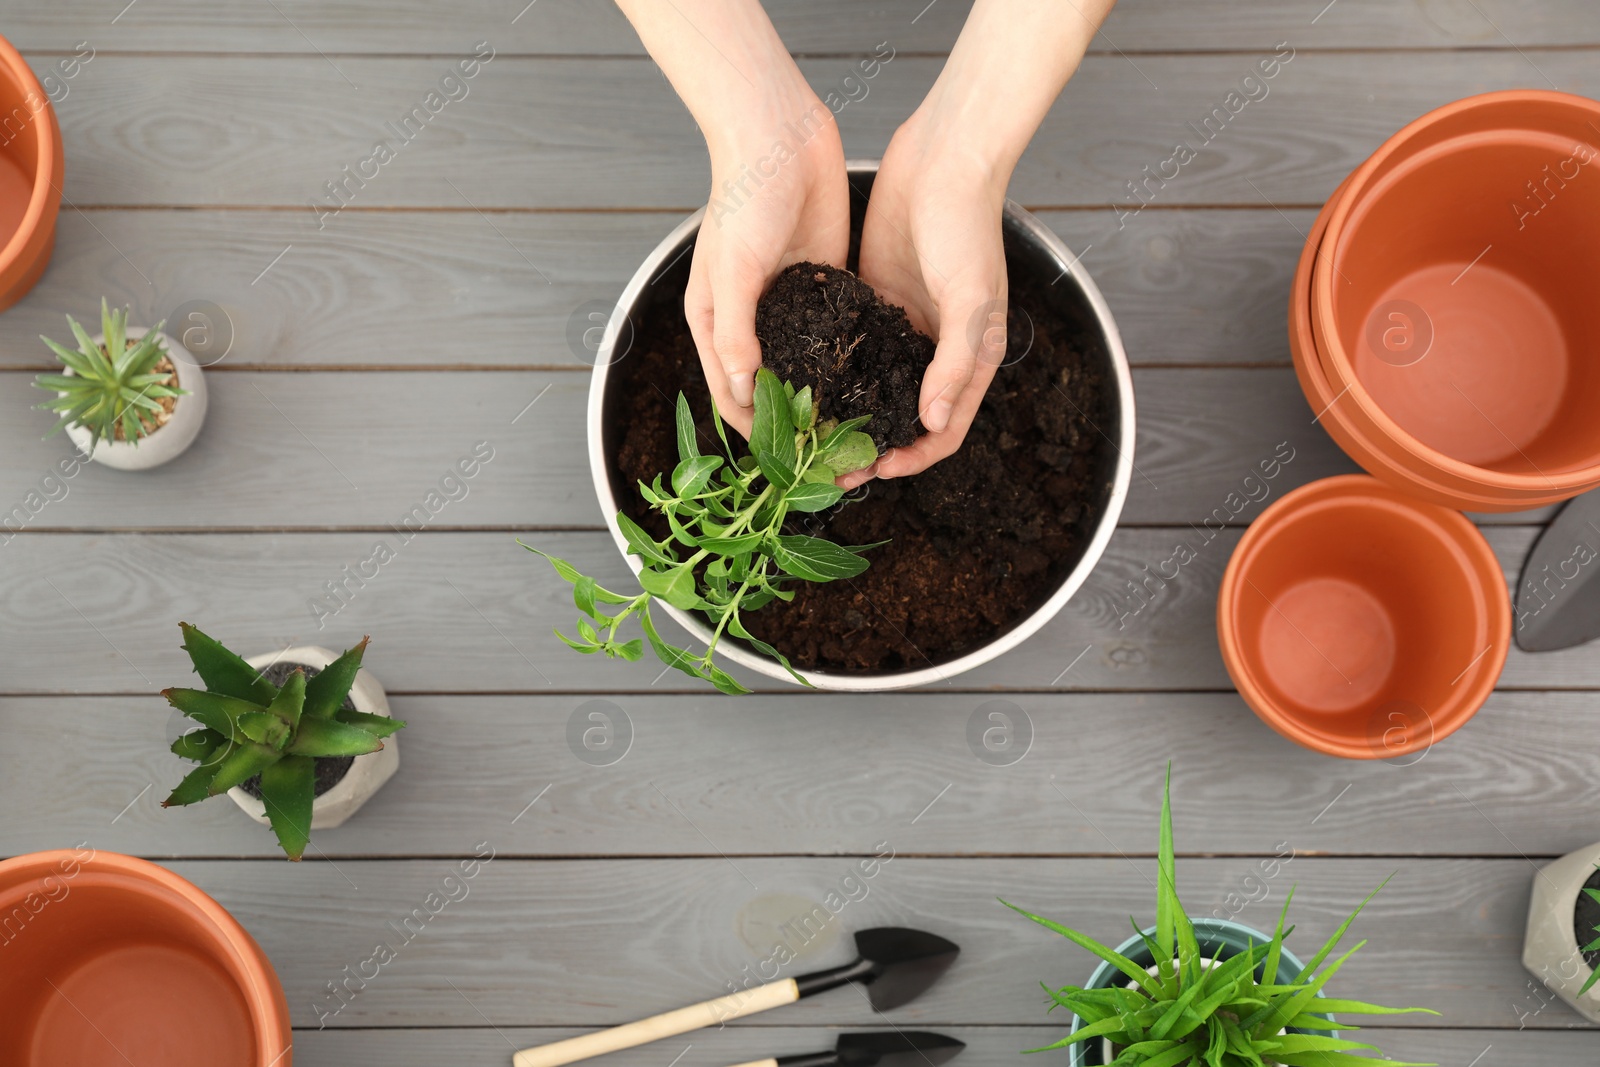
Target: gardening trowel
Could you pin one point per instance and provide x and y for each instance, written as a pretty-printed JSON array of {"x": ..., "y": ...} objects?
[
  {"x": 1558, "y": 593},
  {"x": 890, "y": 1048},
  {"x": 893, "y": 963}
]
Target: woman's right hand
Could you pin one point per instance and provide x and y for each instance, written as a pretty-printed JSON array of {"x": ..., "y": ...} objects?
[{"x": 779, "y": 195}]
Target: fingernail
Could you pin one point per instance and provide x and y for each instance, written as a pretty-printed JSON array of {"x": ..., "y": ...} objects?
[
  {"x": 743, "y": 388},
  {"x": 938, "y": 416}
]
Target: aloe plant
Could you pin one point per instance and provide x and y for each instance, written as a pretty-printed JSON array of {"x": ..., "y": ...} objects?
[
  {"x": 1593, "y": 946},
  {"x": 728, "y": 552},
  {"x": 251, "y": 727},
  {"x": 112, "y": 387},
  {"x": 1196, "y": 1011}
]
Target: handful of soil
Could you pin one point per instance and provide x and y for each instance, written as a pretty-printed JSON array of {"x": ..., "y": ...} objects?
[{"x": 824, "y": 327}]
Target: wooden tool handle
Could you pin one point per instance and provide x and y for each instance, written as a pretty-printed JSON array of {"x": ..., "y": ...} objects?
[
  {"x": 769, "y": 1062},
  {"x": 695, "y": 1017}
]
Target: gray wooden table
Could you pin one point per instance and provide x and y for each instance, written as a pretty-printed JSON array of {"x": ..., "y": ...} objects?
[{"x": 375, "y": 349}]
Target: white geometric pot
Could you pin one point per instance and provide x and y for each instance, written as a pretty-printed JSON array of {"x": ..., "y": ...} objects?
[
  {"x": 170, "y": 440},
  {"x": 365, "y": 776},
  {"x": 1551, "y": 948}
]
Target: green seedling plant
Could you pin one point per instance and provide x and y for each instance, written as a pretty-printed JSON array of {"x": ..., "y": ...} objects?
[
  {"x": 1593, "y": 946},
  {"x": 110, "y": 387},
  {"x": 728, "y": 552},
  {"x": 251, "y": 727},
  {"x": 1196, "y": 1011}
]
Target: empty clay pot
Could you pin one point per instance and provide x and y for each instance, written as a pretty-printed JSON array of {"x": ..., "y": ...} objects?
[
  {"x": 1333, "y": 409},
  {"x": 109, "y": 959},
  {"x": 1451, "y": 299},
  {"x": 1360, "y": 622},
  {"x": 30, "y": 176}
]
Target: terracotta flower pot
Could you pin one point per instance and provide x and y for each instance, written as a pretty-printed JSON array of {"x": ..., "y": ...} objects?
[
  {"x": 110, "y": 959},
  {"x": 31, "y": 176},
  {"x": 1360, "y": 622},
  {"x": 1451, "y": 299},
  {"x": 1329, "y": 404}
]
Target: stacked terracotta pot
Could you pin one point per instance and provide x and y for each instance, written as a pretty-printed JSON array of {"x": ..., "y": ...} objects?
[
  {"x": 1446, "y": 302},
  {"x": 1442, "y": 322}
]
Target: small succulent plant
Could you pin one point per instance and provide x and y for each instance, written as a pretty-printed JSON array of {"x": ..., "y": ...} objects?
[
  {"x": 728, "y": 552},
  {"x": 1593, "y": 946},
  {"x": 251, "y": 727},
  {"x": 1200, "y": 1012},
  {"x": 112, "y": 387}
]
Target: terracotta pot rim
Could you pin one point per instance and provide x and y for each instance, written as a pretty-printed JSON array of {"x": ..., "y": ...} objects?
[
  {"x": 1478, "y": 568},
  {"x": 44, "y": 180},
  {"x": 258, "y": 981},
  {"x": 1354, "y": 439},
  {"x": 1531, "y": 490}
]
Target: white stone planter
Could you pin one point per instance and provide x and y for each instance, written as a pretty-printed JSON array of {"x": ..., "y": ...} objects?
[
  {"x": 366, "y": 775},
  {"x": 1551, "y": 948},
  {"x": 170, "y": 440}
]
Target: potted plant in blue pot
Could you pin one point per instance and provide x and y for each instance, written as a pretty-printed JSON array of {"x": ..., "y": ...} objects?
[{"x": 1207, "y": 992}]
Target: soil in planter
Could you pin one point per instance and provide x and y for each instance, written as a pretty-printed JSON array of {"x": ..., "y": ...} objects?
[
  {"x": 977, "y": 541},
  {"x": 1586, "y": 920},
  {"x": 330, "y": 770},
  {"x": 823, "y": 327}
]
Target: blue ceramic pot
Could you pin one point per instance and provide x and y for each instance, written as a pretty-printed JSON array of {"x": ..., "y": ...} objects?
[{"x": 1230, "y": 938}]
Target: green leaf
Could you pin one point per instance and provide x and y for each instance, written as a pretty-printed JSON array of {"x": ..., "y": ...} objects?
[
  {"x": 222, "y": 671},
  {"x": 287, "y": 706},
  {"x": 583, "y": 591},
  {"x": 211, "y": 710},
  {"x": 802, "y": 410},
  {"x": 689, "y": 478},
  {"x": 834, "y": 432},
  {"x": 264, "y": 729},
  {"x": 573, "y": 575},
  {"x": 641, "y": 543},
  {"x": 771, "y": 419},
  {"x": 675, "y": 586},
  {"x": 330, "y": 737},
  {"x": 688, "y": 447},
  {"x": 326, "y": 692},
  {"x": 630, "y": 650},
  {"x": 1122, "y": 963},
  {"x": 288, "y": 791},
  {"x": 195, "y": 787},
  {"x": 669, "y": 654},
  {"x": 775, "y": 470},
  {"x": 816, "y": 560},
  {"x": 379, "y": 726},
  {"x": 243, "y": 761},
  {"x": 851, "y": 452},
  {"x": 199, "y": 745},
  {"x": 813, "y": 496}
]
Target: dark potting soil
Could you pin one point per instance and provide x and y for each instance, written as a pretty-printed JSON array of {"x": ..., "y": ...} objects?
[
  {"x": 1586, "y": 920},
  {"x": 330, "y": 770},
  {"x": 823, "y": 327},
  {"x": 976, "y": 542}
]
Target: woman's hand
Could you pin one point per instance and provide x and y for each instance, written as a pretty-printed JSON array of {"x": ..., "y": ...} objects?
[
  {"x": 779, "y": 195},
  {"x": 778, "y": 189},
  {"x": 931, "y": 243},
  {"x": 932, "y": 238}
]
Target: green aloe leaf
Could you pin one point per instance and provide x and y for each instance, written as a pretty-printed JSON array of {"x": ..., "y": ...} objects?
[
  {"x": 379, "y": 726},
  {"x": 243, "y": 761},
  {"x": 288, "y": 791},
  {"x": 211, "y": 710},
  {"x": 326, "y": 692},
  {"x": 222, "y": 671},
  {"x": 329, "y": 737},
  {"x": 290, "y": 701},
  {"x": 199, "y": 745},
  {"x": 195, "y": 787}
]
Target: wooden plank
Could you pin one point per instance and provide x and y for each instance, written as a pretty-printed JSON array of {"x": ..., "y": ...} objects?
[
  {"x": 114, "y": 600},
  {"x": 587, "y": 943},
  {"x": 987, "y": 1046},
  {"x": 555, "y": 133},
  {"x": 579, "y": 27},
  {"x": 362, "y": 450},
  {"x": 1513, "y": 782},
  {"x": 409, "y": 288}
]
